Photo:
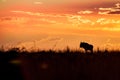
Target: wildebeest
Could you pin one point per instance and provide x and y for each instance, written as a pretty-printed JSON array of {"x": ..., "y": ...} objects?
[{"x": 86, "y": 46}]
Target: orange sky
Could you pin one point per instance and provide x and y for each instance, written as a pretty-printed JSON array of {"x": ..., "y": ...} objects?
[{"x": 51, "y": 24}]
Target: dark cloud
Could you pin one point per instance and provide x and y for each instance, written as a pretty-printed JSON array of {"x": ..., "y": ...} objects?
[
  {"x": 114, "y": 12},
  {"x": 111, "y": 10},
  {"x": 116, "y": 9},
  {"x": 5, "y": 18}
]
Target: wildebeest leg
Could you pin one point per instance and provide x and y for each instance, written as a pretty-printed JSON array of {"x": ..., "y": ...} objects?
[
  {"x": 92, "y": 51},
  {"x": 85, "y": 51}
]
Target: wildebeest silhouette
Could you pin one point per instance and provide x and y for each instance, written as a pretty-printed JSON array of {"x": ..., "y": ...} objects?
[{"x": 86, "y": 46}]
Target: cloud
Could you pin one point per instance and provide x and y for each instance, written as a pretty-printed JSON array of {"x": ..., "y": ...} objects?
[
  {"x": 78, "y": 20},
  {"x": 111, "y": 29},
  {"x": 103, "y": 12},
  {"x": 66, "y": 20},
  {"x": 38, "y": 3},
  {"x": 40, "y": 17},
  {"x": 100, "y": 20},
  {"x": 105, "y": 9},
  {"x": 104, "y": 21},
  {"x": 26, "y": 12},
  {"x": 112, "y": 10},
  {"x": 69, "y": 18},
  {"x": 48, "y": 21},
  {"x": 45, "y": 17},
  {"x": 85, "y": 12},
  {"x": 37, "y": 14},
  {"x": 5, "y": 18},
  {"x": 13, "y": 20},
  {"x": 53, "y": 18},
  {"x": 118, "y": 5}
]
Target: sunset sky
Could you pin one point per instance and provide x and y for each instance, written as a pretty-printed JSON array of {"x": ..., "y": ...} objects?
[{"x": 53, "y": 24}]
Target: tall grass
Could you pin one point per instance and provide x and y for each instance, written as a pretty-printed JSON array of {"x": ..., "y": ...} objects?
[
  {"x": 65, "y": 64},
  {"x": 66, "y": 50}
]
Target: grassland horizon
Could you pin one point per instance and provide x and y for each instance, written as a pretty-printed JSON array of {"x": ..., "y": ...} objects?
[
  {"x": 67, "y": 49},
  {"x": 67, "y": 64}
]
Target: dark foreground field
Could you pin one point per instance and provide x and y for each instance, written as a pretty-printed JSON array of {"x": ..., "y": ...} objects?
[{"x": 61, "y": 65}]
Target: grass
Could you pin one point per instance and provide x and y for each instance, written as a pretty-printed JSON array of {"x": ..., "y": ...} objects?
[{"x": 60, "y": 65}]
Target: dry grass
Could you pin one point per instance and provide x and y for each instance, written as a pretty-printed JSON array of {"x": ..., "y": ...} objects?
[{"x": 61, "y": 65}]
